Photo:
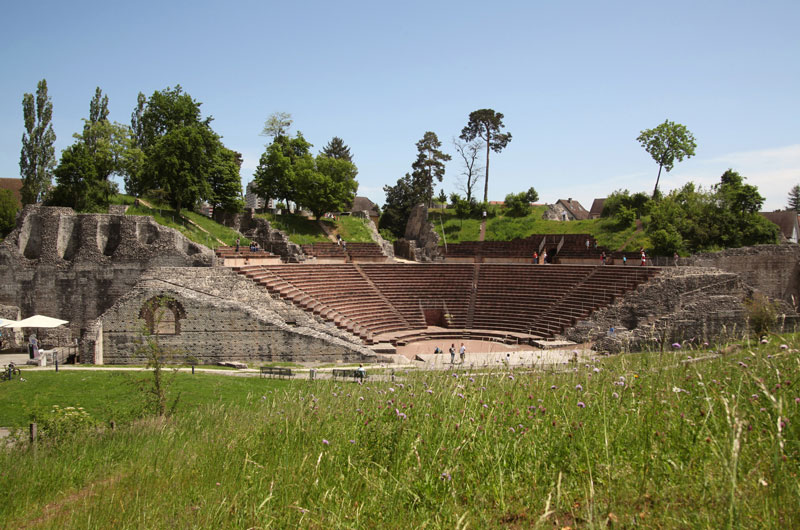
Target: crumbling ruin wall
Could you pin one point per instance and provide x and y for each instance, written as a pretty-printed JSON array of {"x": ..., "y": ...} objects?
[
  {"x": 772, "y": 269},
  {"x": 695, "y": 304},
  {"x": 75, "y": 266},
  {"x": 421, "y": 242},
  {"x": 220, "y": 316}
]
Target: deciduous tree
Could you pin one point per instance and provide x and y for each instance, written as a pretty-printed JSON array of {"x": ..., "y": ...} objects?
[
  {"x": 486, "y": 124},
  {"x": 471, "y": 168},
  {"x": 37, "y": 158},
  {"x": 667, "y": 143},
  {"x": 278, "y": 124}
]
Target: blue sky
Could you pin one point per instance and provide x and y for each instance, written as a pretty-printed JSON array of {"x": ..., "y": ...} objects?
[{"x": 577, "y": 81}]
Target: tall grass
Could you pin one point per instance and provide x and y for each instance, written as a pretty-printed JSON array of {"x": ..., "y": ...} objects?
[{"x": 636, "y": 440}]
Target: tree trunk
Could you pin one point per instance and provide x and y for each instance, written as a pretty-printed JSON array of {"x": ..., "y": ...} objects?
[
  {"x": 655, "y": 190},
  {"x": 486, "y": 183}
]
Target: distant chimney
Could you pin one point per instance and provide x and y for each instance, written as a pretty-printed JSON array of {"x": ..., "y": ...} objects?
[{"x": 569, "y": 200}]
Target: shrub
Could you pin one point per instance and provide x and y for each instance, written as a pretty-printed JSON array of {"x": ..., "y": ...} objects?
[
  {"x": 762, "y": 313},
  {"x": 59, "y": 423}
]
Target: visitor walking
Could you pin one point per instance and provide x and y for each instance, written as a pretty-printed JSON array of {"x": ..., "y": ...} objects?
[
  {"x": 535, "y": 257},
  {"x": 462, "y": 352},
  {"x": 452, "y": 353},
  {"x": 624, "y": 260},
  {"x": 644, "y": 258},
  {"x": 237, "y": 245}
]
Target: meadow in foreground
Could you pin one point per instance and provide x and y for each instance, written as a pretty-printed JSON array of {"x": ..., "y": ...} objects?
[{"x": 635, "y": 440}]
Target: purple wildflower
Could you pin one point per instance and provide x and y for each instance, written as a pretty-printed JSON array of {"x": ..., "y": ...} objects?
[
  {"x": 676, "y": 345},
  {"x": 325, "y": 442},
  {"x": 581, "y": 404},
  {"x": 352, "y": 441},
  {"x": 784, "y": 347},
  {"x": 553, "y": 387},
  {"x": 615, "y": 395},
  {"x": 579, "y": 387},
  {"x": 446, "y": 476}
]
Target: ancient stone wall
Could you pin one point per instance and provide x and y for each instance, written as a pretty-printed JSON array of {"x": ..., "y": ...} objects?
[
  {"x": 75, "y": 266},
  {"x": 220, "y": 316},
  {"x": 695, "y": 304},
  {"x": 772, "y": 269},
  {"x": 422, "y": 240}
]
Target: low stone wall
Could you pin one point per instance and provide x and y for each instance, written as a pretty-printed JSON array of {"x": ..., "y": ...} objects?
[{"x": 220, "y": 316}]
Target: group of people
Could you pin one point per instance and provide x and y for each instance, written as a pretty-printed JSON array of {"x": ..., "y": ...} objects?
[
  {"x": 253, "y": 246},
  {"x": 543, "y": 257},
  {"x": 462, "y": 352}
]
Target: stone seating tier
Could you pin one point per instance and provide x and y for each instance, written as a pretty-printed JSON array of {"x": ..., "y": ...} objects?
[{"x": 391, "y": 299}]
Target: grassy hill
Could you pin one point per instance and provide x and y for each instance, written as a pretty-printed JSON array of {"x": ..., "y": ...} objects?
[{"x": 504, "y": 228}]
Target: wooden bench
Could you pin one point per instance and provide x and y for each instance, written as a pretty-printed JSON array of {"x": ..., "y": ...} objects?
[
  {"x": 355, "y": 374},
  {"x": 275, "y": 370}
]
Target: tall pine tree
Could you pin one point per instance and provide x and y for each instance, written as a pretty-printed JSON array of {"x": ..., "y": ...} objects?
[
  {"x": 337, "y": 149},
  {"x": 428, "y": 166},
  {"x": 794, "y": 198},
  {"x": 38, "y": 156}
]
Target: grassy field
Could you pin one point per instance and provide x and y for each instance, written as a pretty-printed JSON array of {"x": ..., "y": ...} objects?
[{"x": 646, "y": 440}]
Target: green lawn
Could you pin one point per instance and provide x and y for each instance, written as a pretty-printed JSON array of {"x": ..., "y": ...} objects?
[{"x": 638, "y": 440}]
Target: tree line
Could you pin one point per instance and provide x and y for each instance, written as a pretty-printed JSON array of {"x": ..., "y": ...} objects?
[{"x": 171, "y": 152}]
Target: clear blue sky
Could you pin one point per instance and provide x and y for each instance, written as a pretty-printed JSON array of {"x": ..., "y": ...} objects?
[{"x": 576, "y": 81}]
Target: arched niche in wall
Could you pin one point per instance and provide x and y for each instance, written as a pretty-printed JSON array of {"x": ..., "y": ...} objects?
[{"x": 162, "y": 315}]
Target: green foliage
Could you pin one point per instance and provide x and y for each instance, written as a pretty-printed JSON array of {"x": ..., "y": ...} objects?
[
  {"x": 77, "y": 182},
  {"x": 639, "y": 203},
  {"x": 158, "y": 357},
  {"x": 226, "y": 185},
  {"x": 38, "y": 156},
  {"x": 691, "y": 220},
  {"x": 762, "y": 313},
  {"x": 8, "y": 212},
  {"x": 667, "y": 143},
  {"x": 179, "y": 163},
  {"x": 428, "y": 166},
  {"x": 794, "y": 198},
  {"x": 337, "y": 149},
  {"x": 278, "y": 124},
  {"x": 517, "y": 204},
  {"x": 400, "y": 200},
  {"x": 58, "y": 424},
  {"x": 101, "y": 150},
  {"x": 625, "y": 217},
  {"x": 181, "y": 155},
  {"x": 486, "y": 124},
  {"x": 328, "y": 186}
]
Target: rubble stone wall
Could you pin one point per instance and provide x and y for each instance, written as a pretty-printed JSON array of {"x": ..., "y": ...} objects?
[
  {"x": 772, "y": 269},
  {"x": 221, "y": 316},
  {"x": 682, "y": 304},
  {"x": 75, "y": 266}
]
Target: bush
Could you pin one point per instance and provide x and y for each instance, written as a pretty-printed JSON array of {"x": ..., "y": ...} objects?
[
  {"x": 762, "y": 314},
  {"x": 59, "y": 423}
]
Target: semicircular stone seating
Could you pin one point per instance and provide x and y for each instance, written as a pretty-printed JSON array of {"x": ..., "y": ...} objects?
[{"x": 397, "y": 302}]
